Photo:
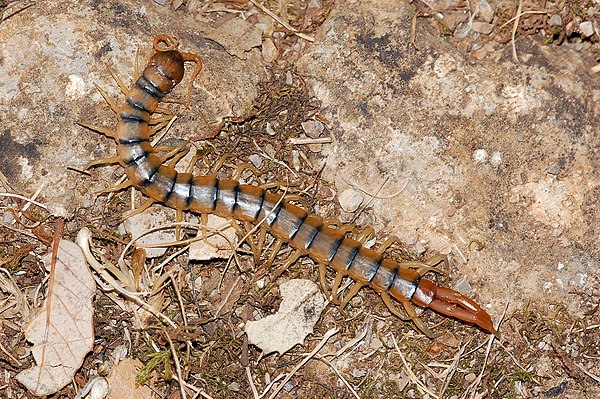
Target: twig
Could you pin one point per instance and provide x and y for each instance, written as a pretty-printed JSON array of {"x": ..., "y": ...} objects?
[
  {"x": 514, "y": 32},
  {"x": 409, "y": 371},
  {"x": 177, "y": 366},
  {"x": 24, "y": 199},
  {"x": 326, "y": 337},
  {"x": 281, "y": 22},
  {"x": 249, "y": 375}
]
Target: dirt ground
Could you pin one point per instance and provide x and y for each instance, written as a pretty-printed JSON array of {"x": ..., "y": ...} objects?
[{"x": 464, "y": 129}]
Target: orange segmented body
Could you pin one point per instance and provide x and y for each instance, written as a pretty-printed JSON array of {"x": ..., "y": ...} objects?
[{"x": 307, "y": 233}]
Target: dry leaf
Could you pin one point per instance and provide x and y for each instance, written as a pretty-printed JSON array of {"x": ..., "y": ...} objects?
[
  {"x": 300, "y": 310},
  {"x": 62, "y": 333},
  {"x": 122, "y": 381}
]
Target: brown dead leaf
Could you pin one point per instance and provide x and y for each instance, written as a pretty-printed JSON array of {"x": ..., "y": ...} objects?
[
  {"x": 62, "y": 332},
  {"x": 300, "y": 310},
  {"x": 122, "y": 381}
]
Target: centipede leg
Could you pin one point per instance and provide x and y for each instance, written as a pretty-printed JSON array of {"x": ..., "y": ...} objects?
[
  {"x": 178, "y": 219},
  {"x": 253, "y": 246},
  {"x": 335, "y": 287},
  {"x": 410, "y": 315},
  {"x": 105, "y": 131},
  {"x": 365, "y": 235},
  {"x": 119, "y": 82},
  {"x": 139, "y": 209},
  {"x": 242, "y": 167},
  {"x": 274, "y": 251},
  {"x": 427, "y": 266},
  {"x": 350, "y": 294},
  {"x": 108, "y": 99},
  {"x": 116, "y": 188},
  {"x": 291, "y": 260},
  {"x": 345, "y": 227},
  {"x": 323, "y": 279},
  {"x": 388, "y": 243},
  {"x": 102, "y": 161},
  {"x": 136, "y": 65}
]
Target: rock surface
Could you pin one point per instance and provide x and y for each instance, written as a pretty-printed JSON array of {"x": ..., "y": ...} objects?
[
  {"x": 48, "y": 88},
  {"x": 422, "y": 119}
]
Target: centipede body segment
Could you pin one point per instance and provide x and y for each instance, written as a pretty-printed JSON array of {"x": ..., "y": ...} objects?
[{"x": 307, "y": 233}]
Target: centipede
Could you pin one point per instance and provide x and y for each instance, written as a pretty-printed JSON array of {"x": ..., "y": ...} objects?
[{"x": 402, "y": 285}]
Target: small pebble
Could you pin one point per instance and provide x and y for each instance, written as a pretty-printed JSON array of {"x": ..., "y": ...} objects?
[
  {"x": 351, "y": 199},
  {"x": 256, "y": 160},
  {"x": 376, "y": 343},
  {"x": 234, "y": 386},
  {"x": 288, "y": 386},
  {"x": 541, "y": 345},
  {"x": 483, "y": 27},
  {"x": 269, "y": 51},
  {"x": 586, "y": 28},
  {"x": 289, "y": 79},
  {"x": 296, "y": 160},
  {"x": 315, "y": 147},
  {"x": 554, "y": 169},
  {"x": 356, "y": 373},
  {"x": 463, "y": 286},
  {"x": 480, "y": 155},
  {"x": 496, "y": 158},
  {"x": 313, "y": 129},
  {"x": 270, "y": 130},
  {"x": 485, "y": 11},
  {"x": 470, "y": 377},
  {"x": 555, "y": 20},
  {"x": 270, "y": 150}
]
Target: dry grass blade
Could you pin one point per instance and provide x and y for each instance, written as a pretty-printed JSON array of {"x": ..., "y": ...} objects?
[
  {"x": 410, "y": 373},
  {"x": 326, "y": 337}
]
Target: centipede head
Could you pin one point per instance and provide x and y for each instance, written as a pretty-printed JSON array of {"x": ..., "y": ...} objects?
[
  {"x": 165, "y": 69},
  {"x": 166, "y": 66}
]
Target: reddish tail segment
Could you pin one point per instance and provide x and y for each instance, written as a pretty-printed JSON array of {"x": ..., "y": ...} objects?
[{"x": 228, "y": 198}]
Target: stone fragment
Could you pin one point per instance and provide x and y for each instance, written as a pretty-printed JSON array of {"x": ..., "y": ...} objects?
[
  {"x": 555, "y": 20},
  {"x": 313, "y": 129},
  {"x": 485, "y": 12},
  {"x": 586, "y": 28},
  {"x": 351, "y": 199},
  {"x": 483, "y": 27}
]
